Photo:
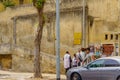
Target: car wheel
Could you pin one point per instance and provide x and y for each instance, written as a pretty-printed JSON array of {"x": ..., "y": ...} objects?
[
  {"x": 75, "y": 76},
  {"x": 118, "y": 78}
]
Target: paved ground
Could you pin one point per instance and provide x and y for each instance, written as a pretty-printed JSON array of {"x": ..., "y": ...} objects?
[{"x": 6, "y": 75}]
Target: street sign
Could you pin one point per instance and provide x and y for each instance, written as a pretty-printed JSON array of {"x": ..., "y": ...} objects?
[{"x": 77, "y": 38}]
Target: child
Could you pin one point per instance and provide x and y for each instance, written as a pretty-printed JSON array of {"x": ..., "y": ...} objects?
[{"x": 74, "y": 61}]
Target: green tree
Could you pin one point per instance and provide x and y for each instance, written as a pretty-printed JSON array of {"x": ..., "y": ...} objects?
[
  {"x": 8, "y": 3},
  {"x": 39, "y": 4}
]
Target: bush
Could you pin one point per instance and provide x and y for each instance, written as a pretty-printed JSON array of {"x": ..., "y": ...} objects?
[{"x": 8, "y": 3}]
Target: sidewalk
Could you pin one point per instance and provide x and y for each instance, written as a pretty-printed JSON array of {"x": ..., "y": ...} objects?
[{"x": 6, "y": 75}]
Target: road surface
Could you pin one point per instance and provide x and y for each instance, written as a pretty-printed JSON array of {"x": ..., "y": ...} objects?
[{"x": 8, "y": 75}]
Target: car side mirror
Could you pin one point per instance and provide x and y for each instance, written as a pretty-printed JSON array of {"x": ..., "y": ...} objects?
[{"x": 87, "y": 67}]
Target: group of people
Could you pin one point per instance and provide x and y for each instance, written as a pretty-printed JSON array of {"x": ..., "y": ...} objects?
[
  {"x": 84, "y": 56},
  {"x": 80, "y": 58}
]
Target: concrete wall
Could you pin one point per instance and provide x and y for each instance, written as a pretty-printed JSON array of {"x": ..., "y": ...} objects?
[
  {"x": 20, "y": 35},
  {"x": 23, "y": 59},
  {"x": 104, "y": 9},
  {"x": 6, "y": 31},
  {"x": 105, "y": 15}
]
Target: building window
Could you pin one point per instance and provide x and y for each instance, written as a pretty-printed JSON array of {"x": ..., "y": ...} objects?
[
  {"x": 111, "y": 36},
  {"x": 116, "y": 37},
  {"x": 106, "y": 36}
]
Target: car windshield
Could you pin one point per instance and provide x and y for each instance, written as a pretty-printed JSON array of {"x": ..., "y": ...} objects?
[
  {"x": 97, "y": 63},
  {"x": 102, "y": 63}
]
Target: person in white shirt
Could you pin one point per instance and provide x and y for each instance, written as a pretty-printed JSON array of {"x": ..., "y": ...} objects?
[
  {"x": 88, "y": 57},
  {"x": 79, "y": 58},
  {"x": 74, "y": 61},
  {"x": 67, "y": 61},
  {"x": 82, "y": 53}
]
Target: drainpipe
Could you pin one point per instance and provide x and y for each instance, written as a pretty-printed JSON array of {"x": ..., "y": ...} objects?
[{"x": 14, "y": 31}]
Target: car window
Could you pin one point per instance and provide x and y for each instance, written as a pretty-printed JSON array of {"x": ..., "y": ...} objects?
[
  {"x": 111, "y": 63},
  {"x": 97, "y": 63}
]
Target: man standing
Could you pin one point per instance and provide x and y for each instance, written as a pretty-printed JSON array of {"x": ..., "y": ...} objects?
[
  {"x": 82, "y": 53},
  {"x": 88, "y": 57},
  {"x": 79, "y": 58},
  {"x": 67, "y": 61},
  {"x": 74, "y": 61}
]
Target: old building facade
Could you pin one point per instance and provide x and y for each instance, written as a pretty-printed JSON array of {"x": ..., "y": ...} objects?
[
  {"x": 17, "y": 31},
  {"x": 105, "y": 28}
]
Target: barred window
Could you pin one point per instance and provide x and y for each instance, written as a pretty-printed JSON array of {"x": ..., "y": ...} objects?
[
  {"x": 106, "y": 36},
  {"x": 111, "y": 36},
  {"x": 116, "y": 37}
]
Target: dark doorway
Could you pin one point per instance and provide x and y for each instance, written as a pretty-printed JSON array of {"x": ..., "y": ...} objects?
[
  {"x": 5, "y": 61},
  {"x": 21, "y": 2}
]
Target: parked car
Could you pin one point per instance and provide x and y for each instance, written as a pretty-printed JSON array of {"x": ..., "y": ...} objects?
[{"x": 107, "y": 68}]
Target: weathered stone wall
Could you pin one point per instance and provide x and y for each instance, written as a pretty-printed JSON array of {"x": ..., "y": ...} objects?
[
  {"x": 20, "y": 32},
  {"x": 23, "y": 59},
  {"x": 105, "y": 14},
  {"x": 25, "y": 31},
  {"x": 6, "y": 31},
  {"x": 26, "y": 27},
  {"x": 104, "y": 9},
  {"x": 70, "y": 23}
]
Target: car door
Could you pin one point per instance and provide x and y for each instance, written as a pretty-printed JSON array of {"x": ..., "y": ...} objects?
[
  {"x": 110, "y": 70},
  {"x": 92, "y": 71}
]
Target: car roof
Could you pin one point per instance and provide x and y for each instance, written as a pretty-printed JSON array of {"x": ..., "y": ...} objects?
[{"x": 112, "y": 57}]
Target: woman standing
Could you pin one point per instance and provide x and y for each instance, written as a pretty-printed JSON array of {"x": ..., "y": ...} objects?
[{"x": 74, "y": 61}]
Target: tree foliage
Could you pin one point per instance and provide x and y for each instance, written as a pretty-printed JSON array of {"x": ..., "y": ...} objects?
[
  {"x": 8, "y": 3},
  {"x": 38, "y": 3}
]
